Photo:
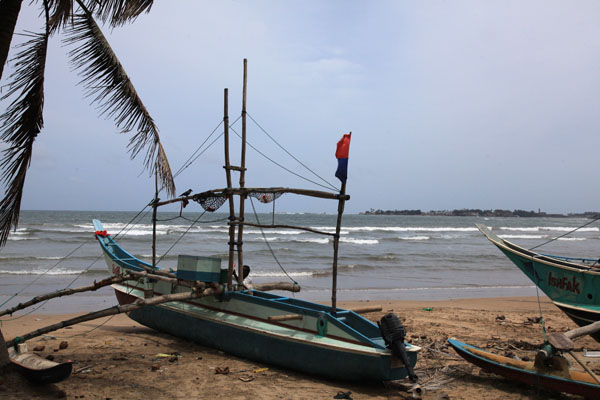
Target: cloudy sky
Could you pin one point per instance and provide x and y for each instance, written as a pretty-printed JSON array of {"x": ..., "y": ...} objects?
[{"x": 452, "y": 104}]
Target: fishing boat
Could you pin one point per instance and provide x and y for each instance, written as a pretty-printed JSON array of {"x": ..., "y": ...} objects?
[
  {"x": 557, "y": 377},
  {"x": 573, "y": 286},
  {"x": 229, "y": 315}
]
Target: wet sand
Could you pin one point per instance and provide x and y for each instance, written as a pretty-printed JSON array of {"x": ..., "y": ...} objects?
[{"x": 116, "y": 358}]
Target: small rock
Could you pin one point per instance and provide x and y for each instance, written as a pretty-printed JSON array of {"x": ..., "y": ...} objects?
[
  {"x": 50, "y": 357},
  {"x": 155, "y": 367},
  {"x": 68, "y": 327},
  {"x": 63, "y": 345},
  {"x": 39, "y": 348},
  {"x": 199, "y": 358},
  {"x": 61, "y": 394},
  {"x": 173, "y": 359}
]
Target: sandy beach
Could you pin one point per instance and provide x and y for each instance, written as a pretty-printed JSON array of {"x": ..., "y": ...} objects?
[{"x": 116, "y": 358}]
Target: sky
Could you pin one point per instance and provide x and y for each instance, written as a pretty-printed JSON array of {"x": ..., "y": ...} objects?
[{"x": 451, "y": 104}]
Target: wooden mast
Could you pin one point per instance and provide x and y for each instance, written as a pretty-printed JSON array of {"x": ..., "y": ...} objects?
[
  {"x": 240, "y": 241},
  {"x": 230, "y": 195},
  {"x": 336, "y": 243}
]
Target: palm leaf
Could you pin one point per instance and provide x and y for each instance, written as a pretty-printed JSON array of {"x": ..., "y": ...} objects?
[
  {"x": 107, "y": 83},
  {"x": 19, "y": 126},
  {"x": 119, "y": 12},
  {"x": 9, "y": 13},
  {"x": 60, "y": 13}
]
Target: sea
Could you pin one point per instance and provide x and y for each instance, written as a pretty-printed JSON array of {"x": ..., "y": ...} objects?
[{"x": 381, "y": 256}]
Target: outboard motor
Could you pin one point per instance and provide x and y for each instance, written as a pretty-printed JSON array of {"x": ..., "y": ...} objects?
[{"x": 393, "y": 334}]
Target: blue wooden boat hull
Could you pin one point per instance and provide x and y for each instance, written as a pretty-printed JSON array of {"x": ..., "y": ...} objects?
[
  {"x": 523, "y": 372},
  {"x": 572, "y": 287},
  {"x": 350, "y": 347}
]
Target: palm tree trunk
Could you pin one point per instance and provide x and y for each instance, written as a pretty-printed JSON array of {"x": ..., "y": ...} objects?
[
  {"x": 4, "y": 360},
  {"x": 9, "y": 12}
]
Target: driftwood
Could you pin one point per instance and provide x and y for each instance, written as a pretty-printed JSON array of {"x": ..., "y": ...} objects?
[
  {"x": 292, "y": 317},
  {"x": 118, "y": 310},
  {"x": 291, "y": 287}
]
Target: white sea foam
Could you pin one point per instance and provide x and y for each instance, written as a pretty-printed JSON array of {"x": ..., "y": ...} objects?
[
  {"x": 278, "y": 274},
  {"x": 359, "y": 241},
  {"x": 522, "y": 236},
  {"x": 548, "y": 228},
  {"x": 415, "y": 238},
  {"x": 56, "y": 271}
]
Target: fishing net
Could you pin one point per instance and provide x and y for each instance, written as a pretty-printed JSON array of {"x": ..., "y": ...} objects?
[
  {"x": 265, "y": 197},
  {"x": 211, "y": 204}
]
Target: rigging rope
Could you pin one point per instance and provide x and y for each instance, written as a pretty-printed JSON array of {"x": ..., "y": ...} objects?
[
  {"x": 279, "y": 165},
  {"x": 268, "y": 245},
  {"x": 290, "y": 154},
  {"x": 180, "y": 237},
  {"x": 568, "y": 233}
]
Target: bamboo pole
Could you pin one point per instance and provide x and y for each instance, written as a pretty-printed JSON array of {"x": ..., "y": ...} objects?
[
  {"x": 239, "y": 191},
  {"x": 336, "y": 243},
  {"x": 116, "y": 310},
  {"x": 229, "y": 194},
  {"x": 65, "y": 292},
  {"x": 584, "y": 330},
  {"x": 288, "y": 286},
  {"x": 154, "y": 213},
  {"x": 240, "y": 241},
  {"x": 585, "y": 367}
]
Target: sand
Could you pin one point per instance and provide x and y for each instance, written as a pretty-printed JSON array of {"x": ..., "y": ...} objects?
[{"x": 116, "y": 358}]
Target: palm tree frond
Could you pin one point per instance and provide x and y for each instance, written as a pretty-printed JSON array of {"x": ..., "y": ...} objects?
[
  {"x": 60, "y": 13},
  {"x": 20, "y": 125},
  {"x": 9, "y": 13},
  {"x": 119, "y": 12},
  {"x": 107, "y": 83}
]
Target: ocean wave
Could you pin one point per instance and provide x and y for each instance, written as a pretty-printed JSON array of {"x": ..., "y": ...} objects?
[
  {"x": 400, "y": 228},
  {"x": 359, "y": 241},
  {"x": 414, "y": 238},
  {"x": 547, "y": 228},
  {"x": 57, "y": 271},
  {"x": 523, "y": 236},
  {"x": 572, "y": 239}
]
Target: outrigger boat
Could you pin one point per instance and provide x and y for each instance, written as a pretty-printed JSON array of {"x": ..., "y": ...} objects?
[
  {"x": 227, "y": 315},
  {"x": 574, "y": 287},
  {"x": 554, "y": 376}
]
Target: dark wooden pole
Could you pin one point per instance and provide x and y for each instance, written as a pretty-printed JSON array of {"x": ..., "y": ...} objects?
[
  {"x": 154, "y": 213},
  {"x": 336, "y": 243},
  {"x": 230, "y": 196},
  {"x": 240, "y": 241}
]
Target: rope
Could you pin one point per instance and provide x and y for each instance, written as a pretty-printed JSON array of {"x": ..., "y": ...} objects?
[
  {"x": 568, "y": 233},
  {"x": 180, "y": 237},
  {"x": 279, "y": 165},
  {"x": 268, "y": 245},
  {"x": 290, "y": 154}
]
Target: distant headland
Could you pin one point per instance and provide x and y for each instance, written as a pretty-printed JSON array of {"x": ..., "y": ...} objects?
[{"x": 468, "y": 212}]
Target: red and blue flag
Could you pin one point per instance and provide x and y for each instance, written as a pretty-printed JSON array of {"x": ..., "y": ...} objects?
[{"x": 343, "y": 147}]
